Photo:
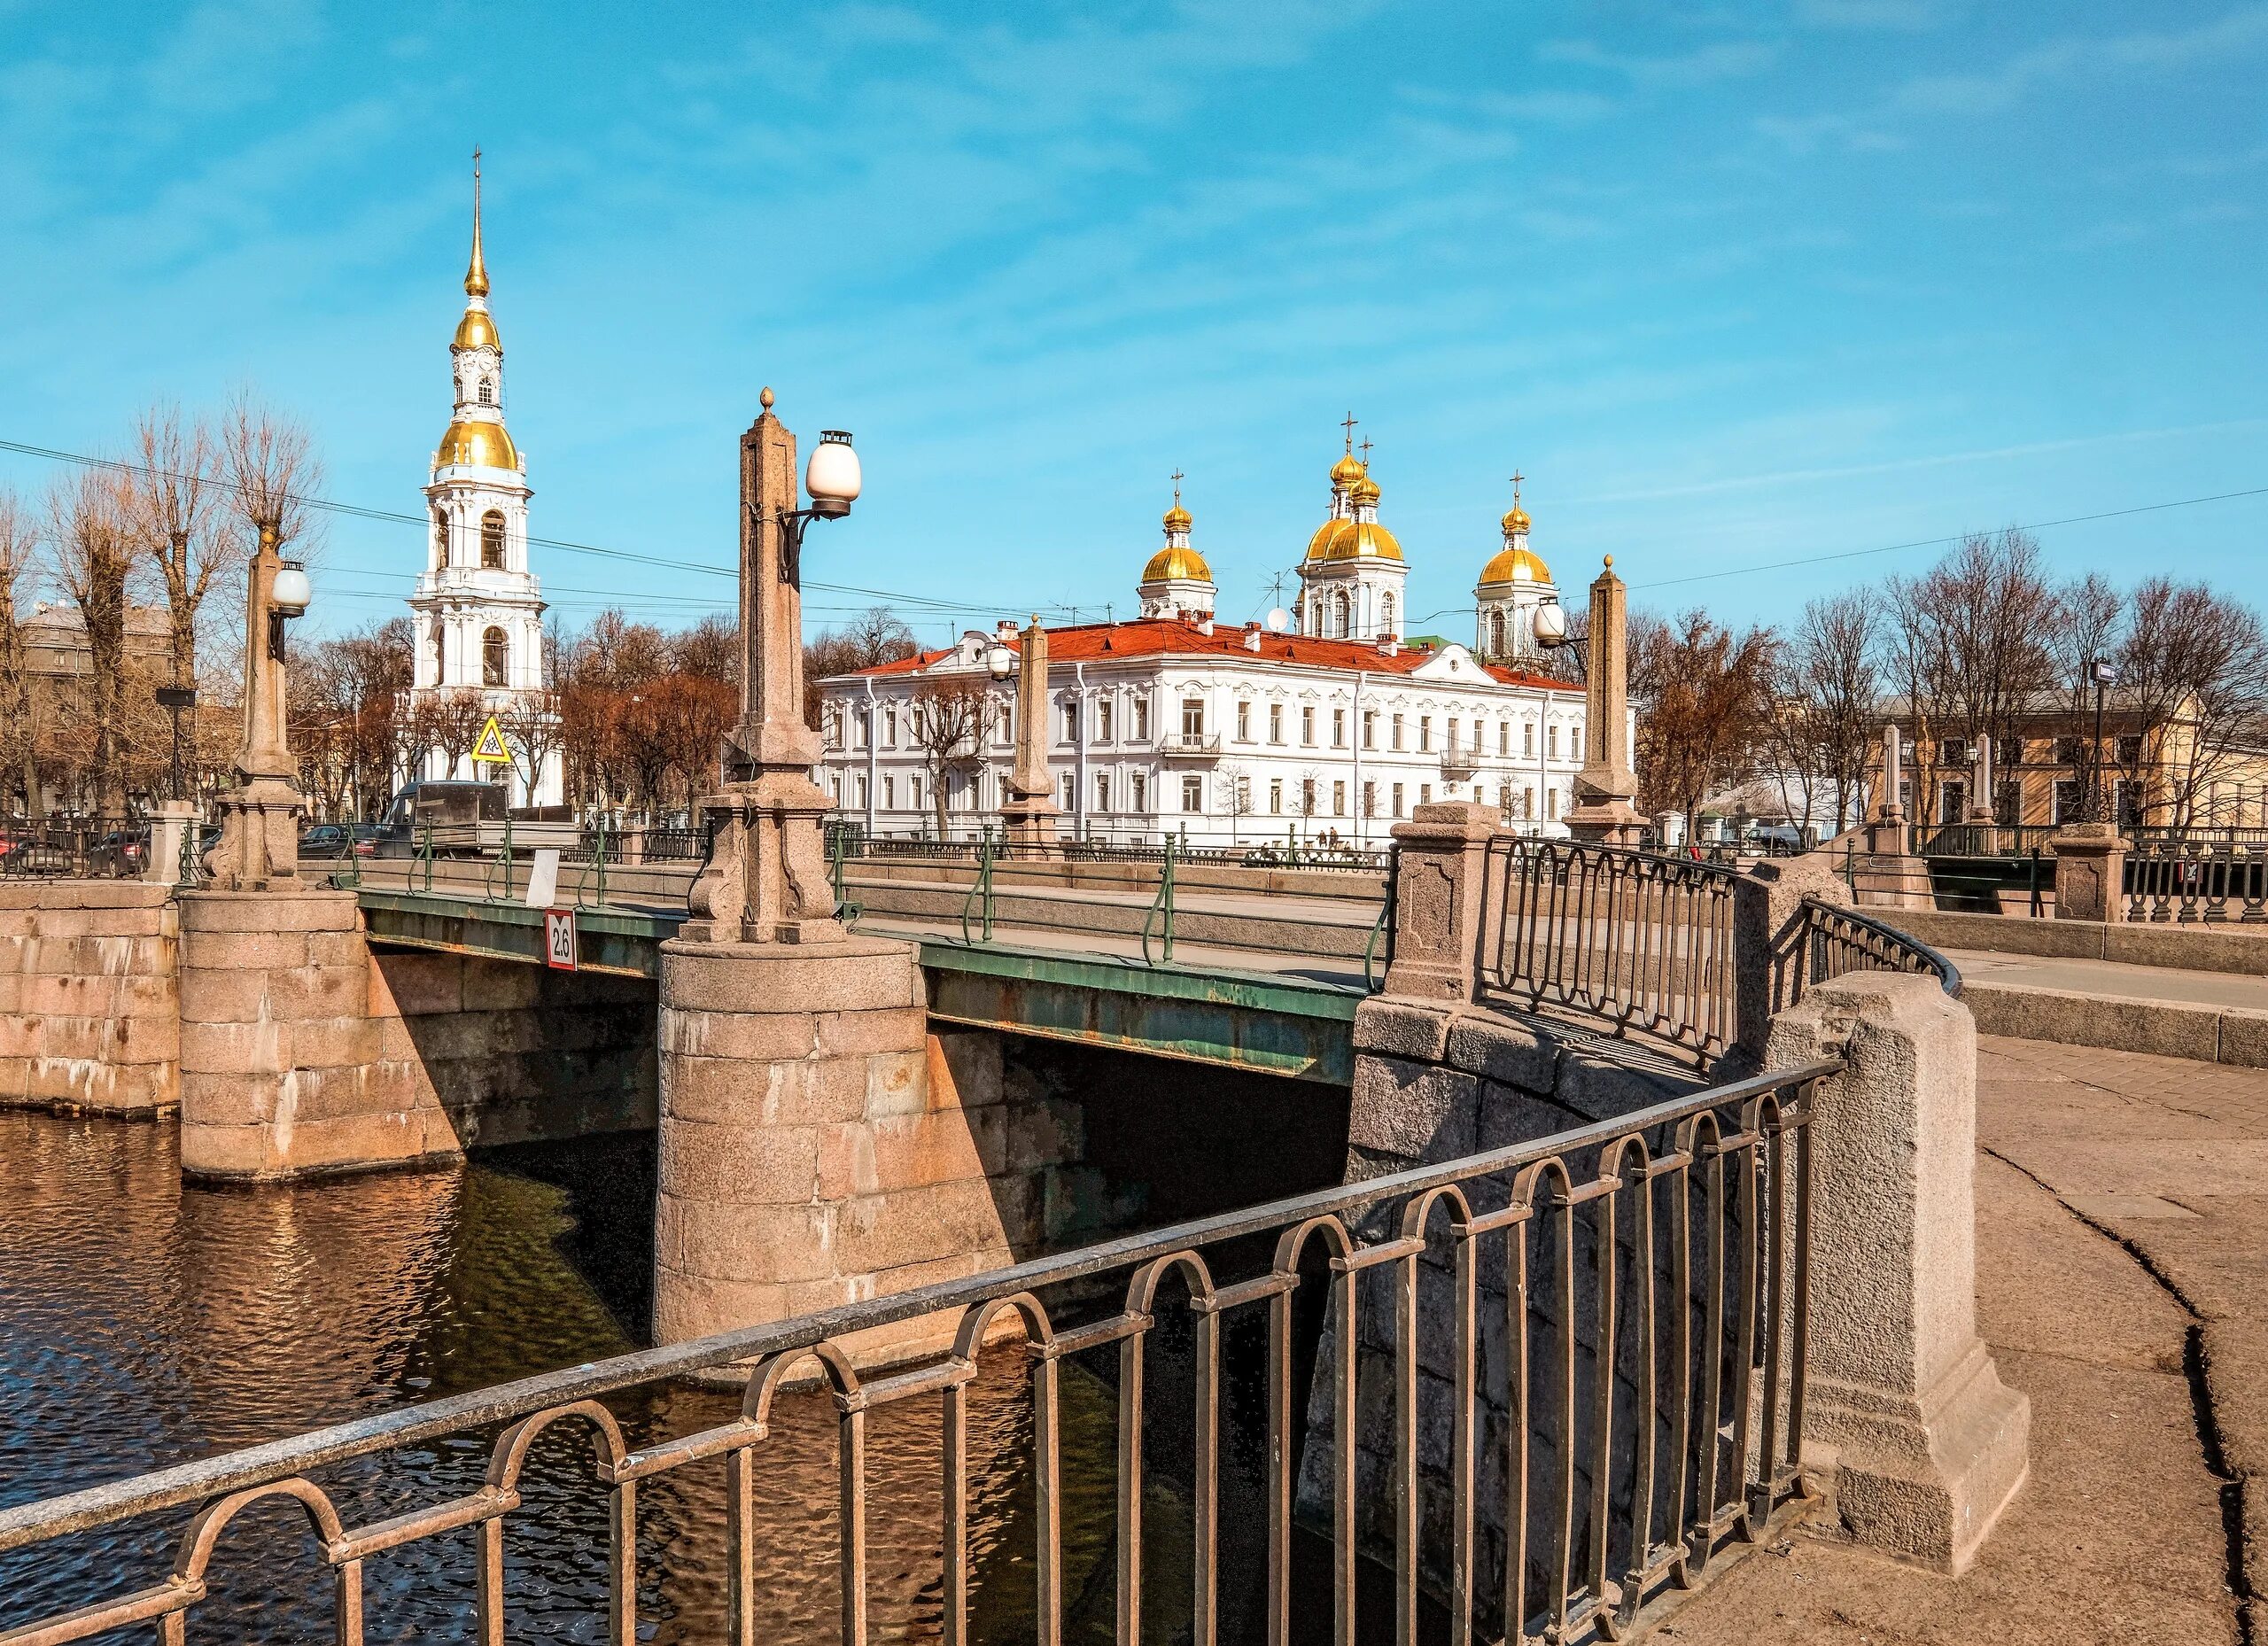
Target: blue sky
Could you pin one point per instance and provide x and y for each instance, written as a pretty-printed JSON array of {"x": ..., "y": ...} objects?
[{"x": 1733, "y": 285}]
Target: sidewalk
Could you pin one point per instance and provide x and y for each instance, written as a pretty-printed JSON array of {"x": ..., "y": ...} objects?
[
  {"x": 2121, "y": 1248},
  {"x": 2210, "y": 1017}
]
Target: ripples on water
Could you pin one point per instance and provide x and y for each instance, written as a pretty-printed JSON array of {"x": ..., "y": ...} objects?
[{"x": 143, "y": 1324}]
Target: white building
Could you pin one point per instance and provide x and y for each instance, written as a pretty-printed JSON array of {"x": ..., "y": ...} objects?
[
  {"x": 1223, "y": 735},
  {"x": 478, "y": 609}
]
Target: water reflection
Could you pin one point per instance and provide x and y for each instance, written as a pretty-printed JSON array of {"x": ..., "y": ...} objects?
[{"x": 143, "y": 1323}]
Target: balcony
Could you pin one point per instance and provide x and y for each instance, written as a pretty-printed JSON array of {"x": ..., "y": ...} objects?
[
  {"x": 1460, "y": 759},
  {"x": 1191, "y": 745}
]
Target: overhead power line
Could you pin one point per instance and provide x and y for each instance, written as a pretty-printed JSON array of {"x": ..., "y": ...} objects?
[{"x": 358, "y": 511}]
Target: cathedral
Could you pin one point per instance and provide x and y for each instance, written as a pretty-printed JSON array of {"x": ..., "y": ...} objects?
[{"x": 477, "y": 611}]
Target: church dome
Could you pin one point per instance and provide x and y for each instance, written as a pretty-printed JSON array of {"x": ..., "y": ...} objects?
[
  {"x": 1346, "y": 470},
  {"x": 1352, "y": 539},
  {"x": 1178, "y": 519},
  {"x": 1180, "y": 564},
  {"x": 480, "y": 444},
  {"x": 1515, "y": 565},
  {"x": 476, "y": 331},
  {"x": 1516, "y": 520}
]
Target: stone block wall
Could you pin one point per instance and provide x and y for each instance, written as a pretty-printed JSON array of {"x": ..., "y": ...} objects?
[
  {"x": 304, "y": 1052},
  {"x": 89, "y": 1016}
]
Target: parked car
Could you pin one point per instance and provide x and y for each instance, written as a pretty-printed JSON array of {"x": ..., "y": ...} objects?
[
  {"x": 121, "y": 853},
  {"x": 339, "y": 840}
]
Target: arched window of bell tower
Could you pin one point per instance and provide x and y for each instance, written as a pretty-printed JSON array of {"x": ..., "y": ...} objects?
[
  {"x": 487, "y": 392},
  {"x": 1496, "y": 633},
  {"x": 440, "y": 539},
  {"x": 1342, "y": 616},
  {"x": 492, "y": 540},
  {"x": 1386, "y": 616},
  {"x": 493, "y": 658}
]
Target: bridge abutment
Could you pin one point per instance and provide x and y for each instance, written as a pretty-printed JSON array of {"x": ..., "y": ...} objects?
[
  {"x": 815, "y": 1147},
  {"x": 89, "y": 1016}
]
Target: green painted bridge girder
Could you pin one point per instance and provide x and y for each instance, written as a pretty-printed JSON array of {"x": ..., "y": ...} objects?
[{"x": 1262, "y": 1021}]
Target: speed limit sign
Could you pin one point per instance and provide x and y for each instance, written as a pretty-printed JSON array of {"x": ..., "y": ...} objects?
[{"x": 559, "y": 939}]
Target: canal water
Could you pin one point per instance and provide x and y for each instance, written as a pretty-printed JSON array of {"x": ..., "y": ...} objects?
[{"x": 143, "y": 1323}]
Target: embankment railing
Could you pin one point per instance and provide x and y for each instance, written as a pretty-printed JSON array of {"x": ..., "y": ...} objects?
[
  {"x": 1639, "y": 938},
  {"x": 1646, "y": 1282},
  {"x": 1839, "y": 940}
]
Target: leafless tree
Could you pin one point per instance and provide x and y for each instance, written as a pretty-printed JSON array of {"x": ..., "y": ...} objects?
[
  {"x": 1828, "y": 693},
  {"x": 272, "y": 473},
  {"x": 2192, "y": 671},
  {"x": 953, "y": 717},
  {"x": 94, "y": 559},
  {"x": 1704, "y": 700},
  {"x": 171, "y": 499},
  {"x": 1232, "y": 793},
  {"x": 19, "y": 738},
  {"x": 874, "y": 636},
  {"x": 532, "y": 727}
]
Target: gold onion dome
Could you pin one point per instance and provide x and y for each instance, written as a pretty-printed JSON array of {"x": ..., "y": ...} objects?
[
  {"x": 1177, "y": 565},
  {"x": 476, "y": 331},
  {"x": 1364, "y": 491},
  {"x": 1348, "y": 469},
  {"x": 1517, "y": 520},
  {"x": 1516, "y": 565},
  {"x": 1178, "y": 519},
  {"x": 483, "y": 445},
  {"x": 1353, "y": 540}
]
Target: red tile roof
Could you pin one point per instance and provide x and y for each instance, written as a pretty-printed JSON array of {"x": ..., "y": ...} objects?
[{"x": 1159, "y": 637}]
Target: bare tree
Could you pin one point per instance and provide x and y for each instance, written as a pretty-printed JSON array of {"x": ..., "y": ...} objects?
[
  {"x": 2193, "y": 675},
  {"x": 953, "y": 716},
  {"x": 19, "y": 738},
  {"x": 532, "y": 727},
  {"x": 1829, "y": 689},
  {"x": 86, "y": 528},
  {"x": 1232, "y": 793},
  {"x": 1704, "y": 701},
  {"x": 874, "y": 636},
  {"x": 272, "y": 472},
  {"x": 172, "y": 497}
]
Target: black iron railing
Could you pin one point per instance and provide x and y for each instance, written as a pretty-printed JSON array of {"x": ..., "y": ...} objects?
[
  {"x": 72, "y": 851},
  {"x": 1644, "y": 1284},
  {"x": 2197, "y": 879},
  {"x": 1839, "y": 940},
  {"x": 1642, "y": 939}
]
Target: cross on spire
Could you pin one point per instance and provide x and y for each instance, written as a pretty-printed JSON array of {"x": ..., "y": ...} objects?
[
  {"x": 1349, "y": 426},
  {"x": 1517, "y": 477},
  {"x": 1176, "y": 487},
  {"x": 1366, "y": 454}
]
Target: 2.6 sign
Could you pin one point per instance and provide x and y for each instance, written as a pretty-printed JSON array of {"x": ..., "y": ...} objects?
[{"x": 559, "y": 939}]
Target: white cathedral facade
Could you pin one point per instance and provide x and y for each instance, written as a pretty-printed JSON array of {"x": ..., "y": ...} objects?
[{"x": 477, "y": 611}]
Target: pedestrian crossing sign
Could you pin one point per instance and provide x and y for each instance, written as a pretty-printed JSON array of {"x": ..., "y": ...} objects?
[{"x": 490, "y": 749}]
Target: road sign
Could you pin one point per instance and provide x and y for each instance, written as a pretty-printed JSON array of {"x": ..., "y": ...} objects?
[
  {"x": 559, "y": 939},
  {"x": 490, "y": 749}
]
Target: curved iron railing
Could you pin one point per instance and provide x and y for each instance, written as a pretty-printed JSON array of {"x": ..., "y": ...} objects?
[
  {"x": 1838, "y": 940},
  {"x": 1639, "y": 938},
  {"x": 1647, "y": 1296}
]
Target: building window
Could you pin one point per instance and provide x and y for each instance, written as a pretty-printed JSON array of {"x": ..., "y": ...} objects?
[
  {"x": 1102, "y": 791},
  {"x": 1306, "y": 796},
  {"x": 890, "y": 727},
  {"x": 1396, "y": 738},
  {"x": 1425, "y": 733},
  {"x": 440, "y": 540},
  {"x": 1504, "y": 740},
  {"x": 1575, "y": 741},
  {"x": 1386, "y": 616},
  {"x": 1243, "y": 722},
  {"x": 1342, "y": 616},
  {"x": 862, "y": 790},
  {"x": 1551, "y": 803},
  {"x": 1070, "y": 723},
  {"x": 492, "y": 540},
  {"x": 1103, "y": 717},
  {"x": 1528, "y": 802},
  {"x": 493, "y": 659},
  {"x": 834, "y": 784},
  {"x": 1527, "y": 737},
  {"x": 1496, "y": 633},
  {"x": 1276, "y": 796},
  {"x": 1551, "y": 742},
  {"x": 913, "y": 791},
  {"x": 1138, "y": 786},
  {"x": 890, "y": 794},
  {"x": 441, "y": 655},
  {"x": 1397, "y": 800},
  {"x": 1141, "y": 719},
  {"x": 1339, "y": 728},
  {"x": 1192, "y": 793},
  {"x": 1306, "y": 727},
  {"x": 1369, "y": 800},
  {"x": 1274, "y": 723},
  {"x": 1369, "y": 729},
  {"x": 1070, "y": 792},
  {"x": 1192, "y": 720},
  {"x": 1338, "y": 800},
  {"x": 487, "y": 392},
  {"x": 1425, "y": 794}
]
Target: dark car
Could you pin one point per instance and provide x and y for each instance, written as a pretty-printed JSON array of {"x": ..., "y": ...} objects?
[
  {"x": 121, "y": 853},
  {"x": 339, "y": 840}
]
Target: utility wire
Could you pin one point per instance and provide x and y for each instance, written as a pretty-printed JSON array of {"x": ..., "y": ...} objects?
[{"x": 359, "y": 512}]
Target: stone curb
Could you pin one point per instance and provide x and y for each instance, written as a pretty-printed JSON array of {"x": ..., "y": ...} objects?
[{"x": 2203, "y": 1034}]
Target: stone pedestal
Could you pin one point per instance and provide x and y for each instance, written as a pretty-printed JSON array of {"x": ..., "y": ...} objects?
[
  {"x": 259, "y": 846},
  {"x": 809, "y": 1154},
  {"x": 2090, "y": 872},
  {"x": 1439, "y": 889},
  {"x": 281, "y": 1071},
  {"x": 172, "y": 823},
  {"x": 1908, "y": 1422}
]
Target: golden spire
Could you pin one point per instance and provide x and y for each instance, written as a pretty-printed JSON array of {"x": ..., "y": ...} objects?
[{"x": 476, "y": 276}]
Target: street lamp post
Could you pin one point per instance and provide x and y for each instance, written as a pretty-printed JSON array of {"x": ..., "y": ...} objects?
[
  {"x": 766, "y": 879},
  {"x": 174, "y": 699},
  {"x": 259, "y": 846},
  {"x": 2105, "y": 675}
]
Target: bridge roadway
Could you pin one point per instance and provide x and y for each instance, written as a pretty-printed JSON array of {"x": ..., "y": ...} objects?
[{"x": 1269, "y": 1009}]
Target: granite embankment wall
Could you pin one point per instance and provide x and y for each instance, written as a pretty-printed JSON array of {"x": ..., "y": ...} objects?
[{"x": 90, "y": 1016}]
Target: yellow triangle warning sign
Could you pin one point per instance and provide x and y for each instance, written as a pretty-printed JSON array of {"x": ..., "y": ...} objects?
[{"x": 491, "y": 747}]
